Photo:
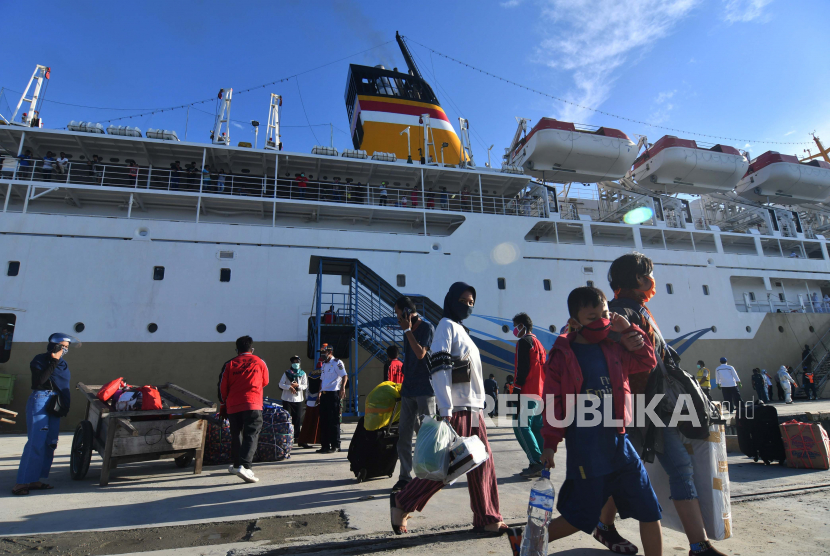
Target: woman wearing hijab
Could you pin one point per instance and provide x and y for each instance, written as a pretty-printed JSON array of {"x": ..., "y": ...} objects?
[
  {"x": 631, "y": 277},
  {"x": 50, "y": 379},
  {"x": 293, "y": 383},
  {"x": 310, "y": 429},
  {"x": 461, "y": 402}
]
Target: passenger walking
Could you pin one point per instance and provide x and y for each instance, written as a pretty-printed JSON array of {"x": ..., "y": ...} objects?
[
  {"x": 241, "y": 385},
  {"x": 759, "y": 384},
  {"x": 294, "y": 383},
  {"x": 509, "y": 383},
  {"x": 632, "y": 279},
  {"x": 310, "y": 429},
  {"x": 703, "y": 379},
  {"x": 601, "y": 461},
  {"x": 529, "y": 362},
  {"x": 768, "y": 384},
  {"x": 393, "y": 368},
  {"x": 460, "y": 402},
  {"x": 786, "y": 383},
  {"x": 809, "y": 382},
  {"x": 491, "y": 388},
  {"x": 728, "y": 380},
  {"x": 333, "y": 390},
  {"x": 48, "y": 402},
  {"x": 417, "y": 396}
]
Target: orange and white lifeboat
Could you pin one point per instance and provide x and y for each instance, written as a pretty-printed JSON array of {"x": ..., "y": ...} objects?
[
  {"x": 674, "y": 165},
  {"x": 559, "y": 152},
  {"x": 780, "y": 178}
]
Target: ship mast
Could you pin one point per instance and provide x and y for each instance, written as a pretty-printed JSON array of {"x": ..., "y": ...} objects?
[
  {"x": 822, "y": 152},
  {"x": 410, "y": 63}
]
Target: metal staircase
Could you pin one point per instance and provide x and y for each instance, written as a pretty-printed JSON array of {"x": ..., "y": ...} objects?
[
  {"x": 362, "y": 316},
  {"x": 821, "y": 368}
]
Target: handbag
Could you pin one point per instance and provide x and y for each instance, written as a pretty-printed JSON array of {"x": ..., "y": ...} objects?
[
  {"x": 461, "y": 370},
  {"x": 466, "y": 453},
  {"x": 54, "y": 406}
]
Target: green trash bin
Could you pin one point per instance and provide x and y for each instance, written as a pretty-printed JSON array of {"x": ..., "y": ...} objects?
[{"x": 6, "y": 388}]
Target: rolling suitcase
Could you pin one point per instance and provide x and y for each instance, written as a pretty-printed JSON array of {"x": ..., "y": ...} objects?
[
  {"x": 743, "y": 424},
  {"x": 373, "y": 453},
  {"x": 766, "y": 434}
]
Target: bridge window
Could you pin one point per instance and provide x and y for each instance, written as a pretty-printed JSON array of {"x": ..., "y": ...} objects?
[
  {"x": 158, "y": 273},
  {"x": 401, "y": 280},
  {"x": 14, "y": 268}
]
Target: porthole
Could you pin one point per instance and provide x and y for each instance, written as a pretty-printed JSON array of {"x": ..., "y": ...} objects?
[
  {"x": 436, "y": 246},
  {"x": 505, "y": 329},
  {"x": 152, "y": 327},
  {"x": 14, "y": 268},
  {"x": 552, "y": 329},
  {"x": 781, "y": 329},
  {"x": 677, "y": 329},
  {"x": 220, "y": 328},
  {"x": 714, "y": 329},
  {"x": 812, "y": 329},
  {"x": 710, "y": 261},
  {"x": 749, "y": 329},
  {"x": 79, "y": 327}
]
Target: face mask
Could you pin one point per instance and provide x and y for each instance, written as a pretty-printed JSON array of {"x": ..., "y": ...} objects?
[
  {"x": 597, "y": 331},
  {"x": 462, "y": 310},
  {"x": 295, "y": 366},
  {"x": 518, "y": 330},
  {"x": 652, "y": 290},
  {"x": 698, "y": 366},
  {"x": 65, "y": 350}
]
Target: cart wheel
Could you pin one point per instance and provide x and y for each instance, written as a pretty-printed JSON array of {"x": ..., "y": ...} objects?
[
  {"x": 361, "y": 475},
  {"x": 81, "y": 453},
  {"x": 184, "y": 461}
]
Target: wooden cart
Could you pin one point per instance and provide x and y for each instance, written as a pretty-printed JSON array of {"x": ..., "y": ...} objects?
[{"x": 177, "y": 433}]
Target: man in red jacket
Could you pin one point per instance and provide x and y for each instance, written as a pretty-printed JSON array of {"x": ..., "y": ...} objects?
[
  {"x": 529, "y": 365},
  {"x": 240, "y": 393},
  {"x": 585, "y": 373}
]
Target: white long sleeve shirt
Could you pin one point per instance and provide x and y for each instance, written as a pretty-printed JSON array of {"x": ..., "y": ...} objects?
[
  {"x": 287, "y": 394},
  {"x": 451, "y": 338},
  {"x": 727, "y": 376}
]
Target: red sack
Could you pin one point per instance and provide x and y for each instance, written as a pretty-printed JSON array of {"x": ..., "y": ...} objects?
[
  {"x": 807, "y": 445},
  {"x": 150, "y": 398},
  {"x": 110, "y": 388}
]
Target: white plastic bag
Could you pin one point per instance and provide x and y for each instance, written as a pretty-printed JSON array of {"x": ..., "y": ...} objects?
[
  {"x": 432, "y": 450},
  {"x": 466, "y": 453}
]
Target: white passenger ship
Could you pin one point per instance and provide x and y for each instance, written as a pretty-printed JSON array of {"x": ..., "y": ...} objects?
[{"x": 157, "y": 268}]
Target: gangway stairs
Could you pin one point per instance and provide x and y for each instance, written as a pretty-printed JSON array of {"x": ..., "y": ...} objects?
[{"x": 362, "y": 316}]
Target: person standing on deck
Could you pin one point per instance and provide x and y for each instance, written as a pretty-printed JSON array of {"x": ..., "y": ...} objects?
[
  {"x": 333, "y": 390},
  {"x": 294, "y": 383},
  {"x": 729, "y": 381},
  {"x": 417, "y": 396},
  {"x": 241, "y": 385}
]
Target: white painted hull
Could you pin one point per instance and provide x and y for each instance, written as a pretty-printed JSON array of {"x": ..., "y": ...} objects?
[{"x": 687, "y": 170}]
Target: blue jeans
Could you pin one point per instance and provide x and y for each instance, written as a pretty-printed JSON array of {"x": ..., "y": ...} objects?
[
  {"x": 42, "y": 429},
  {"x": 677, "y": 463}
]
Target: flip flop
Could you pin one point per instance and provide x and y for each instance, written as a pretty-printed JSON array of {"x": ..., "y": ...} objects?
[
  {"x": 41, "y": 486},
  {"x": 485, "y": 533},
  {"x": 20, "y": 491}
]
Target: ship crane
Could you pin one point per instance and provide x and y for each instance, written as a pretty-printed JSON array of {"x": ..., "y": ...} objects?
[
  {"x": 822, "y": 152},
  {"x": 31, "y": 117}
]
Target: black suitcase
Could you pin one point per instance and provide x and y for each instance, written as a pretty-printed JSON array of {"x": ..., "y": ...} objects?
[
  {"x": 766, "y": 435},
  {"x": 373, "y": 453},
  {"x": 744, "y": 427}
]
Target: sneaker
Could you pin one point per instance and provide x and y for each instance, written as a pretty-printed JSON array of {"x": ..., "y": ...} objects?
[
  {"x": 533, "y": 470},
  {"x": 233, "y": 470},
  {"x": 399, "y": 485},
  {"x": 247, "y": 475},
  {"x": 614, "y": 542}
]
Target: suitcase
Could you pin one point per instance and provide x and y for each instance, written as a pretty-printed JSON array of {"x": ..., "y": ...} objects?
[
  {"x": 373, "y": 453},
  {"x": 759, "y": 435},
  {"x": 743, "y": 424}
]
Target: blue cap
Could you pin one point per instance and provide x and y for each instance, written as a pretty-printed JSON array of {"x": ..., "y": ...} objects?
[
  {"x": 546, "y": 474},
  {"x": 723, "y": 359}
]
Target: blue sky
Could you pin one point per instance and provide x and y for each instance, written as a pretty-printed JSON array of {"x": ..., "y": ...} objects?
[{"x": 744, "y": 69}]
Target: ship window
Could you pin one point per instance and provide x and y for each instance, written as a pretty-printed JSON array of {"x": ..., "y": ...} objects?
[
  {"x": 546, "y": 284},
  {"x": 225, "y": 275},
  {"x": 677, "y": 329},
  {"x": 590, "y": 283},
  {"x": 669, "y": 289},
  {"x": 752, "y": 296},
  {"x": 502, "y": 284},
  {"x": 345, "y": 280},
  {"x": 14, "y": 268},
  {"x": 781, "y": 297},
  {"x": 705, "y": 289},
  {"x": 7, "y": 321},
  {"x": 158, "y": 273},
  {"x": 152, "y": 327},
  {"x": 401, "y": 280},
  {"x": 220, "y": 328}
]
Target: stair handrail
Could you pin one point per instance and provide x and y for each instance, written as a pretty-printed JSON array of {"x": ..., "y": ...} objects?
[{"x": 818, "y": 362}]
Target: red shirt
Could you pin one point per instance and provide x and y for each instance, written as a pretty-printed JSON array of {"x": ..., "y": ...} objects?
[
  {"x": 241, "y": 383},
  {"x": 535, "y": 379},
  {"x": 302, "y": 181},
  {"x": 563, "y": 378},
  {"x": 394, "y": 371}
]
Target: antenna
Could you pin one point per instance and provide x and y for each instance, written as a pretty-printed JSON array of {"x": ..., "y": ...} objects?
[
  {"x": 272, "y": 138},
  {"x": 410, "y": 63},
  {"x": 223, "y": 117},
  {"x": 30, "y": 117}
]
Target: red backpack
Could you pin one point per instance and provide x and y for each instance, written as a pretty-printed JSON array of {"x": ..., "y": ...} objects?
[
  {"x": 150, "y": 398},
  {"x": 110, "y": 388}
]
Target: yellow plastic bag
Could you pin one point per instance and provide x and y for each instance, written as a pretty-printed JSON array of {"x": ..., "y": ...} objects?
[{"x": 379, "y": 405}]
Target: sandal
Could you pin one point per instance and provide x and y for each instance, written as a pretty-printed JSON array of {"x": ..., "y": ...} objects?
[
  {"x": 398, "y": 529},
  {"x": 485, "y": 532},
  {"x": 20, "y": 490},
  {"x": 40, "y": 486}
]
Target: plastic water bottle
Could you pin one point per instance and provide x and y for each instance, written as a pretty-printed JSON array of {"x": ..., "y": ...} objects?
[{"x": 539, "y": 510}]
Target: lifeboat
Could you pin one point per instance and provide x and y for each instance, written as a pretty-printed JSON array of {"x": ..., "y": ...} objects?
[
  {"x": 780, "y": 178},
  {"x": 674, "y": 165},
  {"x": 559, "y": 152}
]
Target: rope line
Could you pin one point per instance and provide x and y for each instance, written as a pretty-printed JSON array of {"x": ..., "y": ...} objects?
[{"x": 596, "y": 110}]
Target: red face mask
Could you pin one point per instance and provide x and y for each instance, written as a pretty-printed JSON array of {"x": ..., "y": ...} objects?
[{"x": 597, "y": 331}]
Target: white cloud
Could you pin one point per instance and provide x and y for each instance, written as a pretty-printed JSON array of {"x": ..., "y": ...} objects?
[
  {"x": 592, "y": 38},
  {"x": 744, "y": 11},
  {"x": 789, "y": 133},
  {"x": 236, "y": 124},
  {"x": 662, "y": 107},
  {"x": 510, "y": 3}
]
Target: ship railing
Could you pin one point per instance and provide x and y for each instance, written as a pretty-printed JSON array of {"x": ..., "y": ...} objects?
[
  {"x": 786, "y": 306},
  {"x": 193, "y": 180}
]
